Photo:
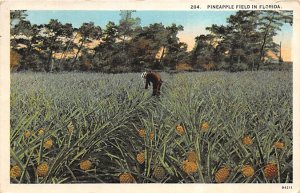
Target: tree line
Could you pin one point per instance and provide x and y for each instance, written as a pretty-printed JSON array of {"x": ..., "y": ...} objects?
[{"x": 244, "y": 43}]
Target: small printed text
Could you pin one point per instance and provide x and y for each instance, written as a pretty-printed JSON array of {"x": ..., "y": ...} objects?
[
  {"x": 239, "y": 7},
  {"x": 287, "y": 187}
]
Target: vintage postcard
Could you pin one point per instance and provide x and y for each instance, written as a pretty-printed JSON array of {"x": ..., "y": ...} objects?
[{"x": 148, "y": 96}]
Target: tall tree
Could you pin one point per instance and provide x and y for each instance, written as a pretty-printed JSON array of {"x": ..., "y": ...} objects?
[
  {"x": 248, "y": 38},
  {"x": 146, "y": 44},
  {"x": 17, "y": 16},
  {"x": 127, "y": 26},
  {"x": 25, "y": 39},
  {"x": 107, "y": 49},
  {"x": 243, "y": 35},
  {"x": 110, "y": 34},
  {"x": 173, "y": 51},
  {"x": 202, "y": 53},
  {"x": 88, "y": 33},
  {"x": 68, "y": 44},
  {"x": 269, "y": 24},
  {"x": 53, "y": 36}
]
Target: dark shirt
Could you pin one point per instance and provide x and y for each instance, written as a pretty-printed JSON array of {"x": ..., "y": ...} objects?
[{"x": 154, "y": 78}]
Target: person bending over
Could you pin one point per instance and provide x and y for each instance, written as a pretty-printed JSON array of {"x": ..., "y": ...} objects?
[{"x": 155, "y": 79}]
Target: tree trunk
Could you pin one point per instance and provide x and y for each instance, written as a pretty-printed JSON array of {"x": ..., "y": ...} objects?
[
  {"x": 258, "y": 65},
  {"x": 96, "y": 47},
  {"x": 51, "y": 68},
  {"x": 51, "y": 51},
  {"x": 162, "y": 55},
  {"x": 280, "y": 60},
  {"x": 28, "y": 52},
  {"x": 231, "y": 59},
  {"x": 77, "y": 53},
  {"x": 261, "y": 56},
  {"x": 49, "y": 60},
  {"x": 62, "y": 58},
  {"x": 123, "y": 43}
]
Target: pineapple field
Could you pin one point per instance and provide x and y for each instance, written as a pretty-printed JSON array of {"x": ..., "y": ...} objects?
[{"x": 208, "y": 127}]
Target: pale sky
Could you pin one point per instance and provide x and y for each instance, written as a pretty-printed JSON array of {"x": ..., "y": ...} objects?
[{"x": 194, "y": 22}]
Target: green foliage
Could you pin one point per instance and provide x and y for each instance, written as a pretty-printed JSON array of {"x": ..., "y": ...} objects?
[
  {"x": 128, "y": 24},
  {"x": 98, "y": 116},
  {"x": 17, "y": 16},
  {"x": 244, "y": 43}
]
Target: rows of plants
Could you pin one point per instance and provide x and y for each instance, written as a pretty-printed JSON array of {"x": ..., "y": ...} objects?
[{"x": 212, "y": 127}]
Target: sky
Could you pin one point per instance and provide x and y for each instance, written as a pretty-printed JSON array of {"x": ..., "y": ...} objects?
[{"x": 194, "y": 22}]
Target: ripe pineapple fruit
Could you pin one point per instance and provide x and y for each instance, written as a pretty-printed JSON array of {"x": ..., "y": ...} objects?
[
  {"x": 189, "y": 167},
  {"x": 191, "y": 156},
  {"x": 222, "y": 174},
  {"x": 247, "y": 140},
  {"x": 126, "y": 178},
  {"x": 140, "y": 157},
  {"x": 180, "y": 129},
  {"x": 42, "y": 169},
  {"x": 85, "y": 165},
  {"x": 247, "y": 171},
  {"x": 159, "y": 172},
  {"x": 15, "y": 171},
  {"x": 271, "y": 171}
]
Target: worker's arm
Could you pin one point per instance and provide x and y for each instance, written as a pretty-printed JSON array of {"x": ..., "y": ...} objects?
[{"x": 147, "y": 83}]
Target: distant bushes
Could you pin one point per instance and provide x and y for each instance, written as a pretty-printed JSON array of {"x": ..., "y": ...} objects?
[{"x": 245, "y": 43}]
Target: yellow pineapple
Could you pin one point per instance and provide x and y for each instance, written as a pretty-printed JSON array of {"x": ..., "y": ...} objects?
[
  {"x": 159, "y": 172},
  {"x": 48, "y": 144},
  {"x": 180, "y": 129},
  {"x": 191, "y": 156},
  {"x": 247, "y": 140},
  {"x": 42, "y": 169},
  {"x": 271, "y": 171},
  {"x": 41, "y": 131},
  {"x": 15, "y": 171},
  {"x": 189, "y": 167},
  {"x": 142, "y": 133},
  {"x": 222, "y": 174},
  {"x": 85, "y": 165},
  {"x": 27, "y": 134},
  {"x": 140, "y": 157},
  {"x": 152, "y": 135},
  {"x": 279, "y": 145},
  {"x": 204, "y": 126},
  {"x": 126, "y": 178},
  {"x": 247, "y": 171}
]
